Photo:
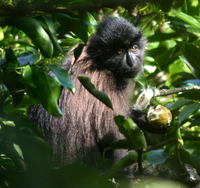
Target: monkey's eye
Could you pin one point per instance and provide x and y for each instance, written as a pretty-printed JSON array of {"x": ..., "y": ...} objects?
[
  {"x": 119, "y": 51},
  {"x": 134, "y": 48}
]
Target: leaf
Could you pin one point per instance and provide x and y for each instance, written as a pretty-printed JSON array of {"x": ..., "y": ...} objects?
[
  {"x": 74, "y": 24},
  {"x": 48, "y": 91},
  {"x": 9, "y": 149},
  {"x": 69, "y": 42},
  {"x": 35, "y": 150},
  {"x": 123, "y": 162},
  {"x": 10, "y": 80},
  {"x": 185, "y": 112},
  {"x": 192, "y": 7},
  {"x": 131, "y": 131},
  {"x": 37, "y": 34},
  {"x": 191, "y": 53},
  {"x": 28, "y": 59},
  {"x": 48, "y": 24},
  {"x": 193, "y": 81},
  {"x": 1, "y": 34},
  {"x": 27, "y": 75},
  {"x": 177, "y": 104},
  {"x": 10, "y": 56},
  {"x": 62, "y": 77},
  {"x": 186, "y": 158},
  {"x": 193, "y": 95},
  {"x": 163, "y": 59},
  {"x": 185, "y": 17},
  {"x": 86, "y": 82},
  {"x": 142, "y": 80},
  {"x": 157, "y": 156},
  {"x": 91, "y": 22}
]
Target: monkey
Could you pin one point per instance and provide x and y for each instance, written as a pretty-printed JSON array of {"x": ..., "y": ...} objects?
[{"x": 113, "y": 56}]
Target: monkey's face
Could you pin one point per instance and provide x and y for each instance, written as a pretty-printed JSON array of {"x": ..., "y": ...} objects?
[
  {"x": 117, "y": 46},
  {"x": 125, "y": 61}
]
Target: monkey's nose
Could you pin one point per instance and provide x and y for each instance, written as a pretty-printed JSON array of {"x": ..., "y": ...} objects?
[{"x": 129, "y": 60}]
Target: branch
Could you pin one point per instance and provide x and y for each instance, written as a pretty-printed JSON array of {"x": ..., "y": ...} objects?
[
  {"x": 144, "y": 99},
  {"x": 164, "y": 92}
]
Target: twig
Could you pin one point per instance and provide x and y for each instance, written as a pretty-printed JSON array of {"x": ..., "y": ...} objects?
[
  {"x": 140, "y": 152},
  {"x": 159, "y": 145},
  {"x": 164, "y": 92},
  {"x": 14, "y": 92},
  {"x": 179, "y": 159}
]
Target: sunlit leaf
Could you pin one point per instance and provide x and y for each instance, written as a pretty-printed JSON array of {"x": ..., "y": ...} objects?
[
  {"x": 37, "y": 34},
  {"x": 91, "y": 22},
  {"x": 188, "y": 110},
  {"x": 185, "y": 17}
]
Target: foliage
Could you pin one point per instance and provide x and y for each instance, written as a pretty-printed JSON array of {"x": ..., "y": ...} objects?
[{"x": 34, "y": 38}]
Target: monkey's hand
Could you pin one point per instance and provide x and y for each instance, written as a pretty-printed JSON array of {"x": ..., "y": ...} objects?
[{"x": 157, "y": 121}]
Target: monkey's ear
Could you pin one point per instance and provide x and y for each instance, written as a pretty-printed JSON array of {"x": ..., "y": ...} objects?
[{"x": 86, "y": 82}]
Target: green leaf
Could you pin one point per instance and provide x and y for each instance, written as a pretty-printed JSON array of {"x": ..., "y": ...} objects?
[
  {"x": 186, "y": 158},
  {"x": 47, "y": 24},
  {"x": 193, "y": 95},
  {"x": 131, "y": 131},
  {"x": 177, "y": 104},
  {"x": 191, "y": 53},
  {"x": 142, "y": 80},
  {"x": 62, "y": 77},
  {"x": 48, "y": 91},
  {"x": 28, "y": 58},
  {"x": 157, "y": 156},
  {"x": 1, "y": 34},
  {"x": 91, "y": 22},
  {"x": 9, "y": 149},
  {"x": 37, "y": 34},
  {"x": 70, "y": 42},
  {"x": 129, "y": 159},
  {"x": 10, "y": 80},
  {"x": 10, "y": 56},
  {"x": 163, "y": 58},
  {"x": 35, "y": 150},
  {"x": 86, "y": 82},
  {"x": 192, "y": 7},
  {"x": 74, "y": 24},
  {"x": 189, "y": 19},
  {"x": 27, "y": 75},
  {"x": 188, "y": 110}
]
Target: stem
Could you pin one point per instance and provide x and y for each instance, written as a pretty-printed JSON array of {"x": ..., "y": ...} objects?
[{"x": 140, "y": 152}]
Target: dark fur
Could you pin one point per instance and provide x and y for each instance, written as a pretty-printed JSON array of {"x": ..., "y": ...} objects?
[{"x": 87, "y": 125}]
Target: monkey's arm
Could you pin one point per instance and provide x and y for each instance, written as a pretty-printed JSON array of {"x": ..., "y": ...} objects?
[{"x": 140, "y": 118}]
